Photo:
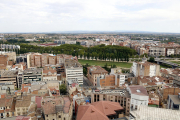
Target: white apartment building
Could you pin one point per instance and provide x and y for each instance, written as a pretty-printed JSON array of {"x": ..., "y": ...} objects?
[
  {"x": 139, "y": 96},
  {"x": 170, "y": 51},
  {"x": 145, "y": 69},
  {"x": 74, "y": 71},
  {"x": 10, "y": 47}
]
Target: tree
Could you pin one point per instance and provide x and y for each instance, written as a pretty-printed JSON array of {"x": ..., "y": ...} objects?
[
  {"x": 63, "y": 89},
  {"x": 151, "y": 59}
]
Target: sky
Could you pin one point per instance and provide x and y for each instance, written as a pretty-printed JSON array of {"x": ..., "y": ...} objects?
[{"x": 89, "y": 15}]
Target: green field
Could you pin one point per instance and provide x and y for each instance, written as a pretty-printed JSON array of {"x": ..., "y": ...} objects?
[
  {"x": 102, "y": 63},
  {"x": 176, "y": 62}
]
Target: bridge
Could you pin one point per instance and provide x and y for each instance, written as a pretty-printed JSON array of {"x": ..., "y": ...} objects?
[{"x": 166, "y": 62}]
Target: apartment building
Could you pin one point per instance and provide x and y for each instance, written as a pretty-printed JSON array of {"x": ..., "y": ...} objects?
[
  {"x": 139, "y": 96},
  {"x": 49, "y": 75},
  {"x": 121, "y": 96},
  {"x": 172, "y": 74},
  {"x": 22, "y": 105},
  {"x": 58, "y": 108},
  {"x": 52, "y": 59},
  {"x": 45, "y": 59},
  {"x": 119, "y": 76},
  {"x": 105, "y": 80},
  {"x": 74, "y": 71},
  {"x": 7, "y": 106},
  {"x": 95, "y": 71},
  {"x": 145, "y": 69},
  {"x": 32, "y": 75},
  {"x": 10, "y": 47},
  {"x": 157, "y": 51}
]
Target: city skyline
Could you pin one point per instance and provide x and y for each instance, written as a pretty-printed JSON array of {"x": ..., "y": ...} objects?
[{"x": 115, "y": 15}]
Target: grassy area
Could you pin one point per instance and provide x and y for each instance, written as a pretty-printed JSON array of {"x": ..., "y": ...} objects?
[
  {"x": 176, "y": 62},
  {"x": 102, "y": 63}
]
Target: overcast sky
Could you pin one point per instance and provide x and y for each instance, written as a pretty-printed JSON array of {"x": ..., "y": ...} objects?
[{"x": 90, "y": 15}]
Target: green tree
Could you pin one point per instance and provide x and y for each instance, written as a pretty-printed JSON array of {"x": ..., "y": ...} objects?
[
  {"x": 151, "y": 59},
  {"x": 63, "y": 89}
]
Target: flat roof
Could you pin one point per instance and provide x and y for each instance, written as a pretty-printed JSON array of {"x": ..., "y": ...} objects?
[{"x": 175, "y": 99}]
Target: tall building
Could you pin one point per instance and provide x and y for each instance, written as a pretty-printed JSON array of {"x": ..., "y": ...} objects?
[
  {"x": 45, "y": 59},
  {"x": 95, "y": 71},
  {"x": 145, "y": 69},
  {"x": 74, "y": 71},
  {"x": 52, "y": 59}
]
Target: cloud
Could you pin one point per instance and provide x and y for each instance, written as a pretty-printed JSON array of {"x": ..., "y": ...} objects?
[{"x": 67, "y": 15}]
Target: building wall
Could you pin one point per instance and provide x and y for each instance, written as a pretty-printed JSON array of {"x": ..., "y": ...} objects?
[
  {"x": 45, "y": 59},
  {"x": 49, "y": 78},
  {"x": 137, "y": 100},
  {"x": 52, "y": 60},
  {"x": 170, "y": 91},
  {"x": 75, "y": 74},
  {"x": 21, "y": 111},
  {"x": 37, "y": 60},
  {"x": 4, "y": 59}
]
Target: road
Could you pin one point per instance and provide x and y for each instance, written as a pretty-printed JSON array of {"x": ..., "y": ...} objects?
[{"x": 86, "y": 82}]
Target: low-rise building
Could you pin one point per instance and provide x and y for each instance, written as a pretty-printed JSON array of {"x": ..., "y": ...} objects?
[
  {"x": 57, "y": 108},
  {"x": 139, "y": 96},
  {"x": 22, "y": 105}
]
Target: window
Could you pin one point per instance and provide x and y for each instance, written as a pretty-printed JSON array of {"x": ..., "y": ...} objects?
[
  {"x": 59, "y": 116},
  {"x": 46, "y": 115}
]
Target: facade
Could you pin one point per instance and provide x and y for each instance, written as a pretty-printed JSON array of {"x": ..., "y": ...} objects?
[
  {"x": 9, "y": 47},
  {"x": 139, "y": 96},
  {"x": 121, "y": 96},
  {"x": 94, "y": 72},
  {"x": 57, "y": 108},
  {"x": 32, "y": 74},
  {"x": 52, "y": 60},
  {"x": 157, "y": 51},
  {"x": 4, "y": 60},
  {"x": 49, "y": 75},
  {"x": 45, "y": 59},
  {"x": 6, "y": 107},
  {"x": 119, "y": 76},
  {"x": 145, "y": 69},
  {"x": 74, "y": 71},
  {"x": 22, "y": 105},
  {"x": 105, "y": 80}
]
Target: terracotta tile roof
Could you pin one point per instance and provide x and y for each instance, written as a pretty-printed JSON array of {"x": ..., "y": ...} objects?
[
  {"x": 107, "y": 107},
  {"x": 25, "y": 102},
  {"x": 138, "y": 90},
  {"x": 89, "y": 112}
]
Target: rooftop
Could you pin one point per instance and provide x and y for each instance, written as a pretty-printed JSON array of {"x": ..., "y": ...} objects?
[
  {"x": 175, "y": 99},
  {"x": 97, "y": 69},
  {"x": 138, "y": 90},
  {"x": 69, "y": 63}
]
